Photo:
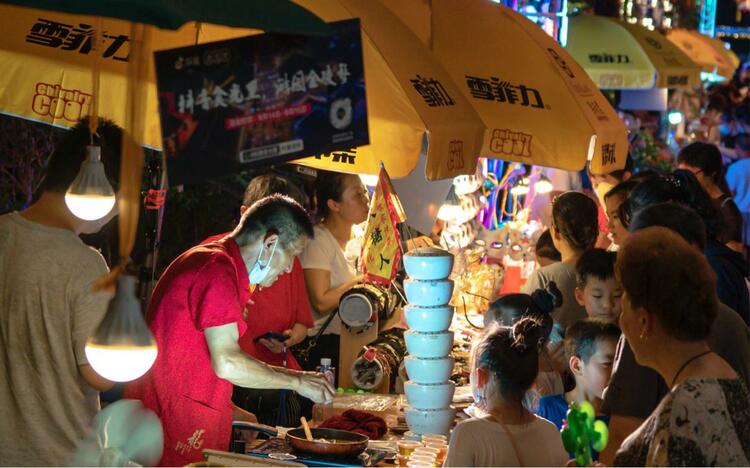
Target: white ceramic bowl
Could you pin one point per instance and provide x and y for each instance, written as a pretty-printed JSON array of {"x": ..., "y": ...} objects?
[
  {"x": 428, "y": 319},
  {"x": 428, "y": 293},
  {"x": 429, "y": 396},
  {"x": 429, "y": 263},
  {"x": 430, "y": 421},
  {"x": 429, "y": 345},
  {"x": 429, "y": 371}
]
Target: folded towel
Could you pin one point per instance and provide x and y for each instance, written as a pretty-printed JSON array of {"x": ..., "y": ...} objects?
[{"x": 360, "y": 422}]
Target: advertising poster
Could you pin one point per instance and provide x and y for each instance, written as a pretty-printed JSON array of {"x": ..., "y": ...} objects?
[{"x": 260, "y": 100}]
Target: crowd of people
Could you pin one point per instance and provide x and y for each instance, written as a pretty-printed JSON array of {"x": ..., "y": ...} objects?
[
  {"x": 640, "y": 305},
  {"x": 648, "y": 323}
]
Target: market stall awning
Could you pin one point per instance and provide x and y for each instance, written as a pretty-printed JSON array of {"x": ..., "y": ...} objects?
[
  {"x": 269, "y": 15},
  {"x": 620, "y": 55},
  {"x": 47, "y": 58},
  {"x": 539, "y": 106},
  {"x": 409, "y": 96},
  {"x": 709, "y": 53}
]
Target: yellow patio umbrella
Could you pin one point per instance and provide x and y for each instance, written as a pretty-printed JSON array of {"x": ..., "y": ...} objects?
[
  {"x": 539, "y": 105},
  {"x": 711, "y": 54},
  {"x": 409, "y": 96},
  {"x": 47, "y": 56},
  {"x": 48, "y": 78},
  {"x": 620, "y": 55}
]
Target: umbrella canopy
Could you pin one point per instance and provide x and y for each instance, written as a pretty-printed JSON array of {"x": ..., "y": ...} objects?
[
  {"x": 47, "y": 63},
  {"x": 409, "y": 96},
  {"x": 538, "y": 104},
  {"x": 709, "y": 53},
  {"x": 47, "y": 57},
  {"x": 620, "y": 55},
  {"x": 270, "y": 15}
]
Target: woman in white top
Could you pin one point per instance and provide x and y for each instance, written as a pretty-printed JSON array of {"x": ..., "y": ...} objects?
[
  {"x": 342, "y": 201},
  {"x": 505, "y": 365}
]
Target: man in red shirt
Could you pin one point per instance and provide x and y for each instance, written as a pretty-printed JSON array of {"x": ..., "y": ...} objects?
[
  {"x": 196, "y": 316},
  {"x": 284, "y": 309}
]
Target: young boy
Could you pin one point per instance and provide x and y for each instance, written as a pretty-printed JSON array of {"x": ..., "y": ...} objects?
[
  {"x": 598, "y": 290},
  {"x": 590, "y": 349}
]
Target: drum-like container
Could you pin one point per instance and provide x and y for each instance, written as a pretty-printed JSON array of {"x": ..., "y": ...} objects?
[
  {"x": 359, "y": 305},
  {"x": 379, "y": 360}
]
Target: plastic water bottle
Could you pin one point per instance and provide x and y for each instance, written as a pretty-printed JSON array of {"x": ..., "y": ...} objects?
[
  {"x": 323, "y": 411},
  {"x": 328, "y": 371}
]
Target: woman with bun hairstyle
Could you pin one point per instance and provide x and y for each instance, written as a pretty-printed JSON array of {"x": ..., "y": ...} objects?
[
  {"x": 505, "y": 363},
  {"x": 574, "y": 230},
  {"x": 511, "y": 308}
]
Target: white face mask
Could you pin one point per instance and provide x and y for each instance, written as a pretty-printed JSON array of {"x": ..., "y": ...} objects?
[
  {"x": 259, "y": 271},
  {"x": 602, "y": 189}
]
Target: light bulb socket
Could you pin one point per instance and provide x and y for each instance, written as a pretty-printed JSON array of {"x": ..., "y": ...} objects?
[
  {"x": 123, "y": 324},
  {"x": 91, "y": 179},
  {"x": 93, "y": 153}
]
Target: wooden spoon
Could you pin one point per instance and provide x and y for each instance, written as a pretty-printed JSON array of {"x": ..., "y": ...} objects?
[{"x": 306, "y": 427}]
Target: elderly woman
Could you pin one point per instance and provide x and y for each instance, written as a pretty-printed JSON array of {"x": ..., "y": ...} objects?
[{"x": 668, "y": 308}]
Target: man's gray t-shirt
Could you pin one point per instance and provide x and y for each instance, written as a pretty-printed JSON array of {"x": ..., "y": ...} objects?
[
  {"x": 47, "y": 312},
  {"x": 635, "y": 390},
  {"x": 564, "y": 276}
]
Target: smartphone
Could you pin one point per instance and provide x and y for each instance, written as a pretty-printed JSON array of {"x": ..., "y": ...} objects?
[{"x": 271, "y": 336}]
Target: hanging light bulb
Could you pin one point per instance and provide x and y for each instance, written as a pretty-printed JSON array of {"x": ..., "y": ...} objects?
[
  {"x": 520, "y": 189},
  {"x": 90, "y": 196},
  {"x": 675, "y": 117},
  {"x": 451, "y": 208},
  {"x": 122, "y": 348},
  {"x": 369, "y": 180},
  {"x": 543, "y": 185}
]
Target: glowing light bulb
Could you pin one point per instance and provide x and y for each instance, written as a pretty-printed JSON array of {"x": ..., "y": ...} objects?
[
  {"x": 675, "y": 118},
  {"x": 451, "y": 209},
  {"x": 90, "y": 196},
  {"x": 121, "y": 363},
  {"x": 122, "y": 348},
  {"x": 369, "y": 180},
  {"x": 89, "y": 207},
  {"x": 543, "y": 186},
  {"x": 519, "y": 190}
]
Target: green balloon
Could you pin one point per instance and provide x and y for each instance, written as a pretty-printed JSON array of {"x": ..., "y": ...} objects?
[{"x": 602, "y": 432}]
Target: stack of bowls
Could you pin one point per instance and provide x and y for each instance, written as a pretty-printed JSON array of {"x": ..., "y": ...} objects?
[{"x": 429, "y": 341}]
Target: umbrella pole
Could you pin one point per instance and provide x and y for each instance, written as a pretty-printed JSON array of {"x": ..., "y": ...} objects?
[{"x": 155, "y": 199}]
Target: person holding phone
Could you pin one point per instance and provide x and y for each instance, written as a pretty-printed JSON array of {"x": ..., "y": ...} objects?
[{"x": 277, "y": 318}]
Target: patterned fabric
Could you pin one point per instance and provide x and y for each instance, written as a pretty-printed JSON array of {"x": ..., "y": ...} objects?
[{"x": 703, "y": 422}]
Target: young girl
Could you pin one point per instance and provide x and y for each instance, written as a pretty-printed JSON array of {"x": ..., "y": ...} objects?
[
  {"x": 505, "y": 363},
  {"x": 574, "y": 230},
  {"x": 511, "y": 308}
]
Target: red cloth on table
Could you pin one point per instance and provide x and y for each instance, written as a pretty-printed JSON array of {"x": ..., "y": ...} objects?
[
  {"x": 276, "y": 309},
  {"x": 360, "y": 422},
  {"x": 207, "y": 286}
]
